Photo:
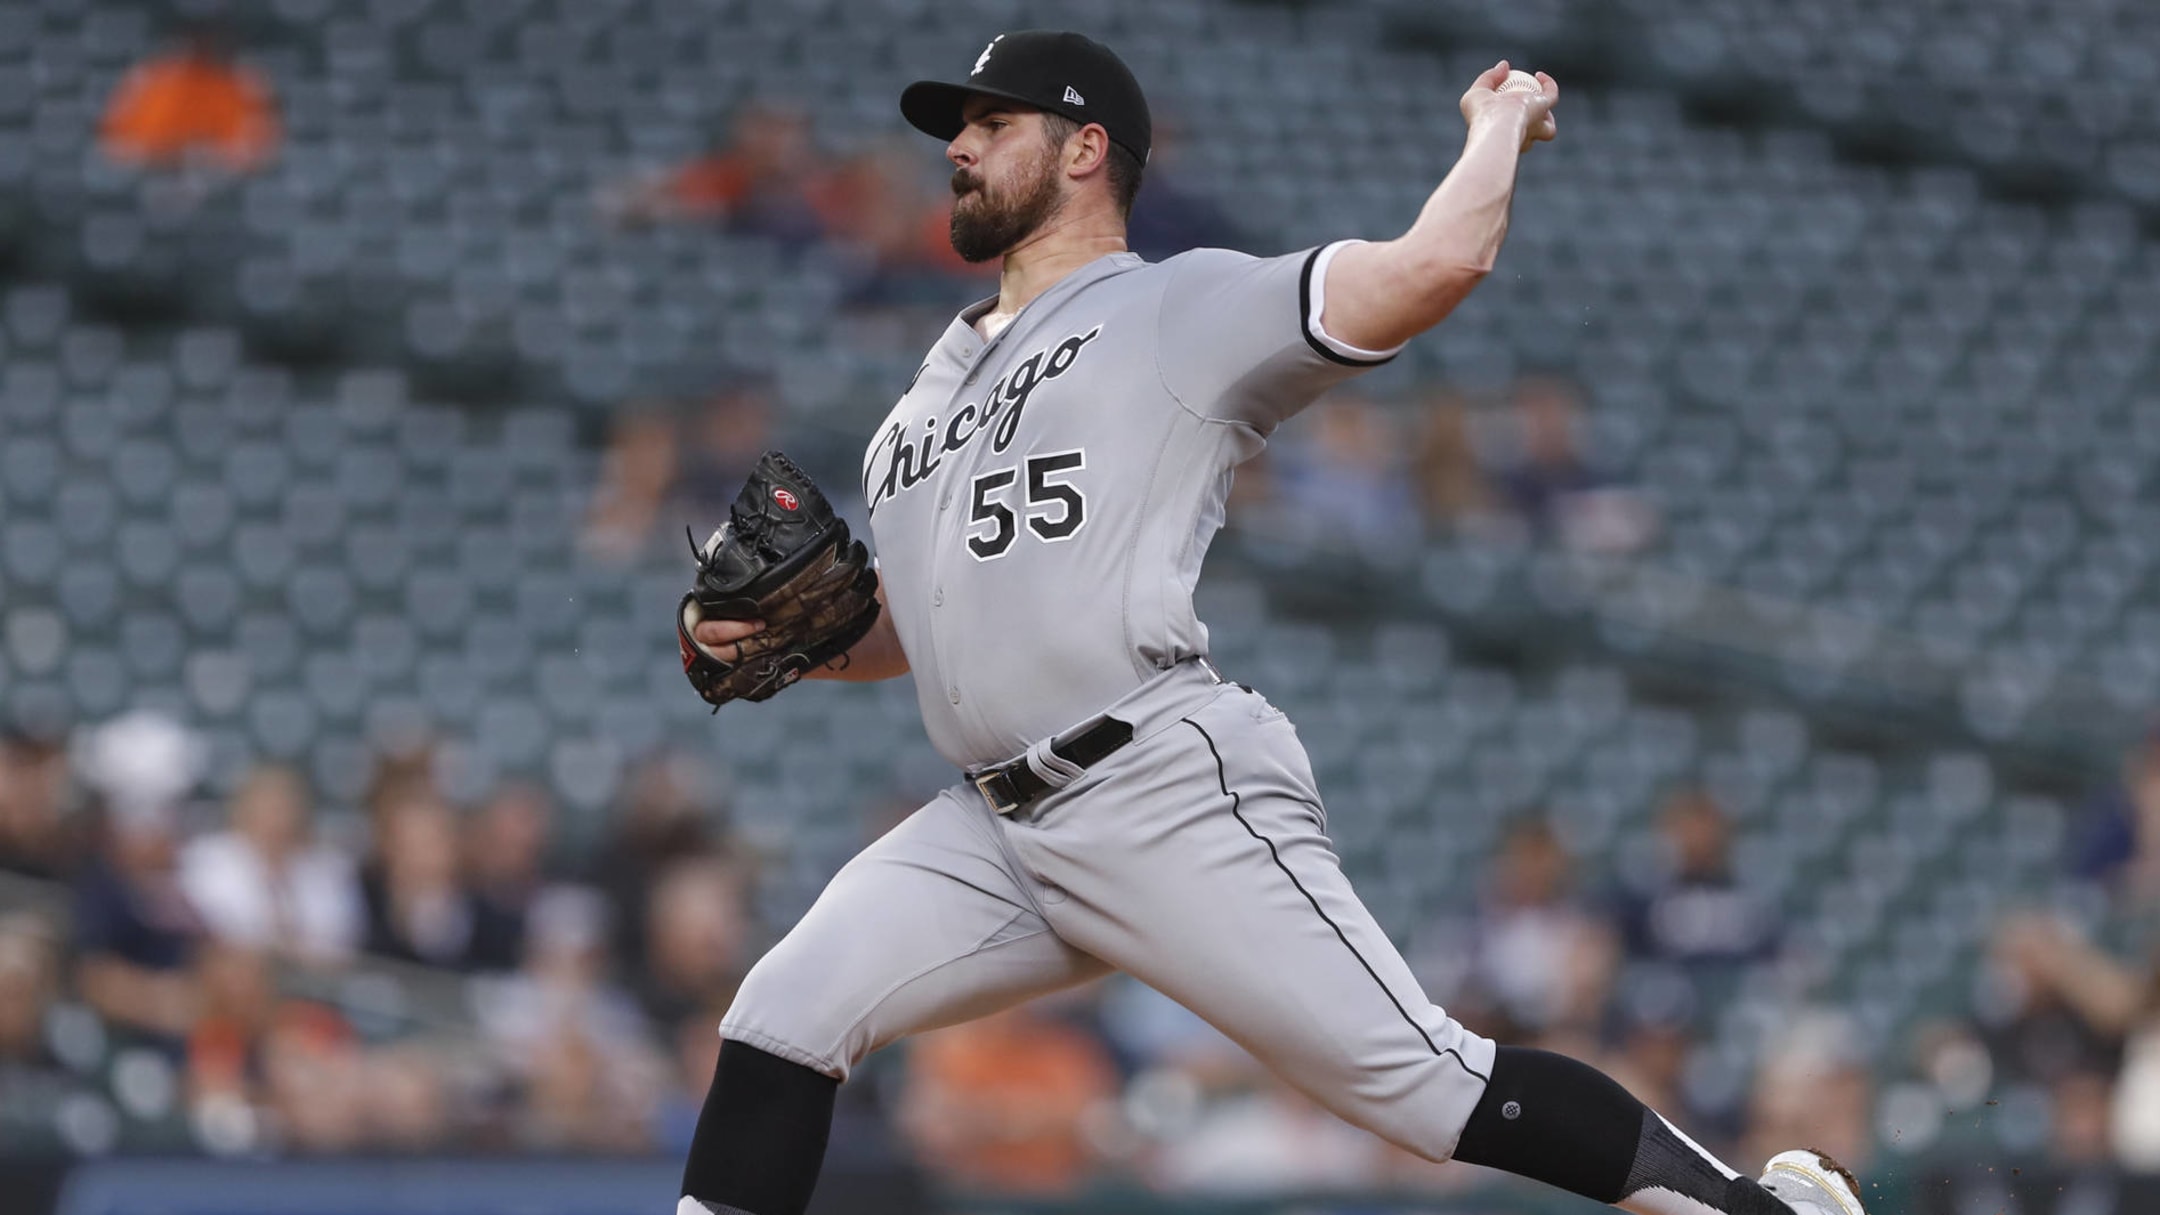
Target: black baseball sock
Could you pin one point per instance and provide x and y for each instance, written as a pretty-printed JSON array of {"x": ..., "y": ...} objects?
[
  {"x": 760, "y": 1139},
  {"x": 1551, "y": 1119}
]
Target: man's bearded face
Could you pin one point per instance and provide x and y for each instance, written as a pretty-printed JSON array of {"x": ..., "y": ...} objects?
[{"x": 989, "y": 218}]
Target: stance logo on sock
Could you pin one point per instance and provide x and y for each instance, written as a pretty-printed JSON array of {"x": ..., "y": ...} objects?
[{"x": 1511, "y": 1111}]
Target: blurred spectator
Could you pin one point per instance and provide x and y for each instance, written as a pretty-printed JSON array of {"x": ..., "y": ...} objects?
[
  {"x": 761, "y": 182},
  {"x": 1657, "y": 1053},
  {"x": 580, "y": 1099},
  {"x": 1545, "y": 961},
  {"x": 696, "y": 1040},
  {"x": 236, "y": 1004},
  {"x": 225, "y": 1046},
  {"x": 141, "y": 763},
  {"x": 406, "y": 1100},
  {"x": 1251, "y": 505},
  {"x": 1949, "y": 1055},
  {"x": 34, "y": 784},
  {"x": 2058, "y": 1004},
  {"x": 2135, "y": 1120},
  {"x": 1690, "y": 909},
  {"x": 1813, "y": 1087},
  {"x": 134, "y": 929},
  {"x": 664, "y": 820},
  {"x": 872, "y": 202},
  {"x": 29, "y": 980},
  {"x": 2073, "y": 1010},
  {"x": 1649, "y": 1062},
  {"x": 263, "y": 884},
  {"x": 34, "y": 1083},
  {"x": 894, "y": 225},
  {"x": 315, "y": 1080},
  {"x": 1006, "y": 1102},
  {"x": 1341, "y": 476},
  {"x": 636, "y": 473},
  {"x": 193, "y": 103},
  {"x": 1167, "y": 217},
  {"x": 578, "y": 1044},
  {"x": 697, "y": 936},
  {"x": 418, "y": 909},
  {"x": 2080, "y": 1117},
  {"x": 721, "y": 442},
  {"x": 506, "y": 855},
  {"x": 1152, "y": 1034},
  {"x": 665, "y": 469},
  {"x": 1214, "y": 1119},
  {"x": 564, "y": 982},
  {"x": 1536, "y": 459},
  {"x": 1451, "y": 488},
  {"x": 1268, "y": 1138},
  {"x": 2118, "y": 843},
  {"x": 400, "y": 775}
]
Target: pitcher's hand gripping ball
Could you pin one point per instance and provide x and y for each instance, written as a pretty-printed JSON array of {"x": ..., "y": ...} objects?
[{"x": 785, "y": 558}]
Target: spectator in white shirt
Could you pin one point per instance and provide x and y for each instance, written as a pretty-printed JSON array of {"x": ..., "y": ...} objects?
[{"x": 263, "y": 884}]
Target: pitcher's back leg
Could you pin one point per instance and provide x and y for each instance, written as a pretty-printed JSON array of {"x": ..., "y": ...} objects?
[{"x": 1237, "y": 907}]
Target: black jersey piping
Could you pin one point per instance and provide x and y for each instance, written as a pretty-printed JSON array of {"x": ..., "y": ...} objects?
[
  {"x": 1305, "y": 325},
  {"x": 1237, "y": 811}
]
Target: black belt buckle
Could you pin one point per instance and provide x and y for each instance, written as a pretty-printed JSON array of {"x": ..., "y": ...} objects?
[
  {"x": 997, "y": 791},
  {"x": 1012, "y": 785}
]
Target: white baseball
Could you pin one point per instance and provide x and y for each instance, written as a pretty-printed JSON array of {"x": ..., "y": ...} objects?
[{"x": 1520, "y": 82}]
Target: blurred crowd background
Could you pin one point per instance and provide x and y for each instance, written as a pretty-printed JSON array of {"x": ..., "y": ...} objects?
[{"x": 1730, "y": 645}]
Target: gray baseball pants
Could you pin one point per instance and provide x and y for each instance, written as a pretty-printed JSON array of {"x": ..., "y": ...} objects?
[{"x": 1195, "y": 859}]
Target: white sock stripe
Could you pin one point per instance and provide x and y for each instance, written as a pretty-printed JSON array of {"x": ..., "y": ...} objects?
[
  {"x": 1697, "y": 1148},
  {"x": 1659, "y": 1201}
]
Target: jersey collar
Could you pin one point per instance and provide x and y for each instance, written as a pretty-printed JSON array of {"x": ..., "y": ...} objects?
[{"x": 967, "y": 343}]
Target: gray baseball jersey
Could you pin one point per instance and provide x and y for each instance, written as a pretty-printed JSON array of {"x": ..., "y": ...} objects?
[{"x": 1041, "y": 502}]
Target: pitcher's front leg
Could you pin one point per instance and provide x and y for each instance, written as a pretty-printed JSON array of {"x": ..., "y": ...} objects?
[{"x": 927, "y": 927}]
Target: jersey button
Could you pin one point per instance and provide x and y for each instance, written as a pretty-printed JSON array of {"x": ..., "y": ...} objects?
[
  {"x": 944, "y": 500},
  {"x": 953, "y": 693},
  {"x": 937, "y": 597}
]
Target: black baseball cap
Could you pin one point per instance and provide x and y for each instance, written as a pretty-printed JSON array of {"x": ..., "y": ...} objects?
[{"x": 1064, "y": 73}]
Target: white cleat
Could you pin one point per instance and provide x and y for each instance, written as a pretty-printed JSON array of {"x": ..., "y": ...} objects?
[{"x": 1812, "y": 1184}]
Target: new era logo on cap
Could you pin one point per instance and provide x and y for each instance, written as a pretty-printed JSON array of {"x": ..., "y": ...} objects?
[{"x": 1073, "y": 97}]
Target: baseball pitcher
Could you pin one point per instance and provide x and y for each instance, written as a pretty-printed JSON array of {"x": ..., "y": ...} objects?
[{"x": 1040, "y": 500}]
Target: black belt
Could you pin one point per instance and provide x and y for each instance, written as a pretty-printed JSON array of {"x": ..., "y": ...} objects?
[{"x": 1014, "y": 784}]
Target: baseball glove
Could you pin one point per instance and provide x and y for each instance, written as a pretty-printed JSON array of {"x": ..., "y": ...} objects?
[{"x": 785, "y": 558}]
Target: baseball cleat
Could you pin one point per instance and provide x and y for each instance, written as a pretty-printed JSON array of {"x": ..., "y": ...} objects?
[{"x": 1812, "y": 1183}]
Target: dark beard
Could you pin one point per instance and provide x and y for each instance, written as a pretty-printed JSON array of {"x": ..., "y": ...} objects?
[{"x": 988, "y": 229}]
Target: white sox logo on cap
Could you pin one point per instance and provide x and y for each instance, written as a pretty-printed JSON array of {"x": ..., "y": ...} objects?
[{"x": 1058, "y": 71}]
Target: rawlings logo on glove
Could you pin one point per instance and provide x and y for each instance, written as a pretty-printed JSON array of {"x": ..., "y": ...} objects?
[{"x": 785, "y": 558}]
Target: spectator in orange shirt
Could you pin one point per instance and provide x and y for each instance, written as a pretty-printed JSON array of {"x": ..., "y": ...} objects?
[
  {"x": 1004, "y": 1103},
  {"x": 760, "y": 183},
  {"x": 896, "y": 226},
  {"x": 196, "y": 102}
]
